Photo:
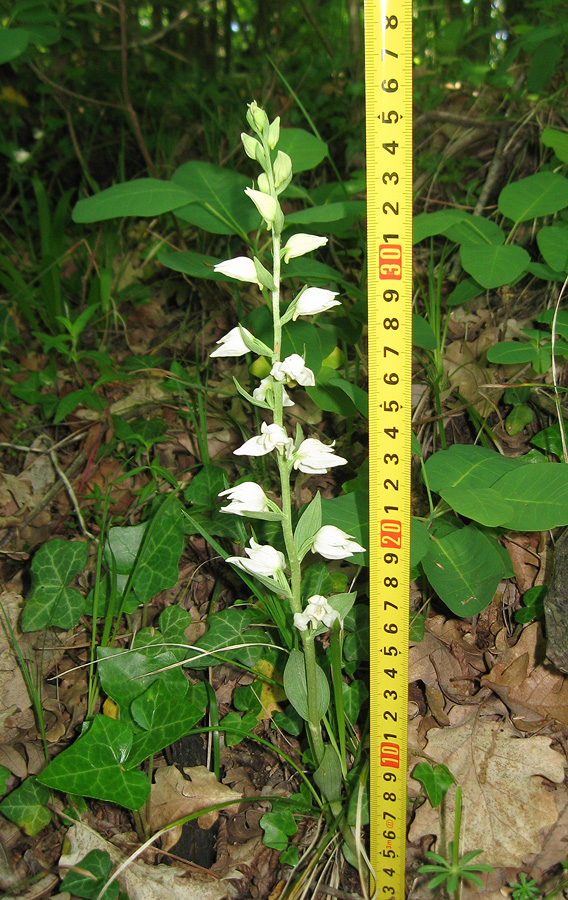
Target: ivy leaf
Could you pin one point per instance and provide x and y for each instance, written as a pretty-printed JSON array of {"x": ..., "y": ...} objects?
[
  {"x": 227, "y": 629},
  {"x": 166, "y": 717},
  {"x": 278, "y": 827},
  {"x": 94, "y": 766},
  {"x": 26, "y": 806},
  {"x": 50, "y": 600},
  {"x": 99, "y": 865}
]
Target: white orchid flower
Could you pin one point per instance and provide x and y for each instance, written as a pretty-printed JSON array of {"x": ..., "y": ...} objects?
[
  {"x": 232, "y": 343},
  {"x": 333, "y": 543},
  {"x": 263, "y": 560},
  {"x": 317, "y": 612},
  {"x": 293, "y": 369},
  {"x": 241, "y": 267},
  {"x": 265, "y": 392},
  {"x": 316, "y": 458},
  {"x": 245, "y": 497},
  {"x": 272, "y": 437},
  {"x": 21, "y": 156},
  {"x": 300, "y": 244},
  {"x": 315, "y": 300}
]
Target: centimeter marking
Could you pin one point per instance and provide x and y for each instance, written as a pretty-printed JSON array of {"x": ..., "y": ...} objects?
[{"x": 388, "y": 77}]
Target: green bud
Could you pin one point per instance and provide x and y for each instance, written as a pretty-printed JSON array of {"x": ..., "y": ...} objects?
[
  {"x": 263, "y": 184},
  {"x": 274, "y": 133},
  {"x": 282, "y": 171},
  {"x": 253, "y": 148},
  {"x": 257, "y": 119}
]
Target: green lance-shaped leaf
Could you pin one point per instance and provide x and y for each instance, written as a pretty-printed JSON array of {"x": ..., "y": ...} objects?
[
  {"x": 143, "y": 197},
  {"x": 94, "y": 766},
  {"x": 328, "y": 774},
  {"x": 308, "y": 526},
  {"x": 50, "y": 600},
  {"x": 295, "y": 685}
]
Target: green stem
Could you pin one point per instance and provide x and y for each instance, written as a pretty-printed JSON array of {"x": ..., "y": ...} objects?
[{"x": 456, "y": 842}]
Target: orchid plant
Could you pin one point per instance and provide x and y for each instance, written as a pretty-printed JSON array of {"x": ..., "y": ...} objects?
[{"x": 305, "y": 682}]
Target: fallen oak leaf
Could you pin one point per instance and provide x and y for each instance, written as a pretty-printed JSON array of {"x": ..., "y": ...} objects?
[{"x": 505, "y": 802}]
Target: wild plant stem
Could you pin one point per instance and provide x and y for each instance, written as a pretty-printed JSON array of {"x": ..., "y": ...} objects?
[{"x": 456, "y": 842}]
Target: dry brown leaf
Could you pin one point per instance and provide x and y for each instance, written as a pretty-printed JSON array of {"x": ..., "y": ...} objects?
[
  {"x": 173, "y": 796},
  {"x": 532, "y": 692},
  {"x": 145, "y": 882},
  {"x": 504, "y": 800}
]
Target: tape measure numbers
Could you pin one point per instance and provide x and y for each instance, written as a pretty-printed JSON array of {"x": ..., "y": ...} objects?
[{"x": 388, "y": 77}]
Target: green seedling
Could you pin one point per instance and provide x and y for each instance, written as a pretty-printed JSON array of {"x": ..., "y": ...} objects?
[
  {"x": 456, "y": 869},
  {"x": 524, "y": 889}
]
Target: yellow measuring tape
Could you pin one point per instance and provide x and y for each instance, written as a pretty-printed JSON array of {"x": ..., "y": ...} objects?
[{"x": 388, "y": 77}]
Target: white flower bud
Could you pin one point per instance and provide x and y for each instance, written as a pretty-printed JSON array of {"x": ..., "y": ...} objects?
[
  {"x": 300, "y": 244},
  {"x": 265, "y": 393},
  {"x": 266, "y": 205},
  {"x": 232, "y": 343},
  {"x": 241, "y": 267},
  {"x": 245, "y": 497},
  {"x": 257, "y": 118},
  {"x": 333, "y": 543},
  {"x": 314, "y": 300},
  {"x": 263, "y": 184},
  {"x": 21, "y": 156},
  {"x": 263, "y": 560}
]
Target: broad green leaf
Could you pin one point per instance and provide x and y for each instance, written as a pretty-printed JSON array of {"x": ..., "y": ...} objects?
[
  {"x": 422, "y": 334},
  {"x": 475, "y": 230},
  {"x": 357, "y": 395},
  {"x": 356, "y": 644},
  {"x": 466, "y": 290},
  {"x": 161, "y": 549},
  {"x": 535, "y": 497},
  {"x": 343, "y": 603},
  {"x": 538, "y": 195},
  {"x": 306, "y": 267},
  {"x": 558, "y": 140},
  {"x": 166, "y": 715},
  {"x": 94, "y": 766},
  {"x": 191, "y": 263},
  {"x": 436, "y": 781},
  {"x": 493, "y": 265},
  {"x": 99, "y": 864},
  {"x": 227, "y": 629},
  {"x": 350, "y": 512},
  {"x": 295, "y": 685},
  {"x": 482, "y": 504},
  {"x": 50, "y": 600},
  {"x": 550, "y": 439},
  {"x": 552, "y": 242},
  {"x": 324, "y": 215},
  {"x": 466, "y": 465},
  {"x": 510, "y": 353},
  {"x": 26, "y": 806},
  {"x": 278, "y": 827},
  {"x": 544, "y": 62},
  {"x": 143, "y": 197},
  {"x": 464, "y": 568},
  {"x": 427, "y": 225},
  {"x": 419, "y": 541},
  {"x": 304, "y": 149},
  {"x": 218, "y": 202},
  {"x": 13, "y": 42},
  {"x": 173, "y": 623},
  {"x": 4, "y": 776},
  {"x": 328, "y": 774}
]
